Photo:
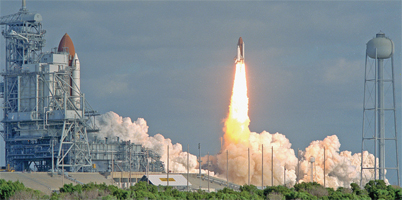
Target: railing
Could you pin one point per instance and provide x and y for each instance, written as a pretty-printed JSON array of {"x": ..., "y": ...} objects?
[
  {"x": 219, "y": 181},
  {"x": 73, "y": 179}
]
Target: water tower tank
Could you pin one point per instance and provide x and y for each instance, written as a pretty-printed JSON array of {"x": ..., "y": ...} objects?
[{"x": 383, "y": 45}]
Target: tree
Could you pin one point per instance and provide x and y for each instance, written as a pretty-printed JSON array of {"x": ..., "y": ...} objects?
[
  {"x": 377, "y": 189},
  {"x": 277, "y": 189},
  {"x": 248, "y": 188}
]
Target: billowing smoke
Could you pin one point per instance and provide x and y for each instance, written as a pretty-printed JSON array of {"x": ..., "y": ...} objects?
[
  {"x": 237, "y": 157},
  {"x": 341, "y": 168},
  {"x": 112, "y": 125}
]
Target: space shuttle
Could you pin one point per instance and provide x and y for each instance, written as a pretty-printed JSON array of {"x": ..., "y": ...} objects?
[{"x": 240, "y": 51}]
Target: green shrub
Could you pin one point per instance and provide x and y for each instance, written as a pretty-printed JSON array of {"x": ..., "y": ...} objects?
[
  {"x": 280, "y": 189},
  {"x": 249, "y": 188},
  {"x": 8, "y": 188},
  {"x": 29, "y": 193},
  {"x": 307, "y": 191},
  {"x": 70, "y": 188},
  {"x": 398, "y": 193},
  {"x": 305, "y": 186},
  {"x": 275, "y": 196},
  {"x": 122, "y": 194},
  {"x": 109, "y": 197},
  {"x": 377, "y": 189}
]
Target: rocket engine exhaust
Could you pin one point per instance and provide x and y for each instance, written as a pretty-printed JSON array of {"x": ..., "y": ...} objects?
[{"x": 236, "y": 124}]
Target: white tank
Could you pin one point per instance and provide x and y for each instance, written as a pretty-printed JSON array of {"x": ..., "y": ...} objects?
[
  {"x": 383, "y": 46},
  {"x": 31, "y": 17}
]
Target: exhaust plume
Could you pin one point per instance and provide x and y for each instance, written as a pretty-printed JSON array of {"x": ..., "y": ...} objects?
[{"x": 236, "y": 125}]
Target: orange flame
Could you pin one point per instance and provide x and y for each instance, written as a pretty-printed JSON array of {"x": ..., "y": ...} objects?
[{"x": 236, "y": 124}]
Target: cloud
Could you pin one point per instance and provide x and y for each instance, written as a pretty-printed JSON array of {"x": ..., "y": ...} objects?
[
  {"x": 114, "y": 85},
  {"x": 343, "y": 71}
]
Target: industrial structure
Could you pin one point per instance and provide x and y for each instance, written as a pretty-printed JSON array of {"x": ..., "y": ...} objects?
[
  {"x": 46, "y": 117},
  {"x": 123, "y": 156},
  {"x": 379, "y": 117}
]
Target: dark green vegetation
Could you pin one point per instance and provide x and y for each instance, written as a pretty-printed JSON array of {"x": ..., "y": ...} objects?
[
  {"x": 17, "y": 190},
  {"x": 373, "y": 190}
]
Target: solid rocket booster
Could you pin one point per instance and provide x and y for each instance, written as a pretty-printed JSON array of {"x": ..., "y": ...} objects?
[
  {"x": 240, "y": 51},
  {"x": 66, "y": 45},
  {"x": 76, "y": 80}
]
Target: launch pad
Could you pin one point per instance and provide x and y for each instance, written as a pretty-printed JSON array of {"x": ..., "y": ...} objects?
[{"x": 46, "y": 118}]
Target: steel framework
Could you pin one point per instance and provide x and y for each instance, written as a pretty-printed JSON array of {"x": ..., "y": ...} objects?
[
  {"x": 124, "y": 155},
  {"x": 379, "y": 112},
  {"x": 41, "y": 116}
]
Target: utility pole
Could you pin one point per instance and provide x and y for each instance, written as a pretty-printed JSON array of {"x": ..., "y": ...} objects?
[
  {"x": 168, "y": 165},
  {"x": 208, "y": 171},
  {"x": 147, "y": 167},
  {"x": 272, "y": 167},
  {"x": 298, "y": 166},
  {"x": 227, "y": 167},
  {"x": 112, "y": 169},
  {"x": 324, "y": 167},
  {"x": 62, "y": 167},
  {"x": 199, "y": 160},
  {"x": 188, "y": 150},
  {"x": 262, "y": 166},
  {"x": 130, "y": 163},
  {"x": 248, "y": 166}
]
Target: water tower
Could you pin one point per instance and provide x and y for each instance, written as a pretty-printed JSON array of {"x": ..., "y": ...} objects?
[{"x": 379, "y": 117}]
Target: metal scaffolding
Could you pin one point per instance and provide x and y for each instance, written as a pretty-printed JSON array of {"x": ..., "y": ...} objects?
[
  {"x": 46, "y": 117},
  {"x": 40, "y": 112},
  {"x": 124, "y": 155}
]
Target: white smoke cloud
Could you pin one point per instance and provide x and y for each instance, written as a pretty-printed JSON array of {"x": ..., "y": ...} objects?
[
  {"x": 341, "y": 168},
  {"x": 237, "y": 156},
  {"x": 112, "y": 125}
]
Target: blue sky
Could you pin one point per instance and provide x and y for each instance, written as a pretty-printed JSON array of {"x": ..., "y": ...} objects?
[{"x": 171, "y": 62}]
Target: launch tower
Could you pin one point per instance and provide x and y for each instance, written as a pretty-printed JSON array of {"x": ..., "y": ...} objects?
[
  {"x": 379, "y": 117},
  {"x": 46, "y": 117}
]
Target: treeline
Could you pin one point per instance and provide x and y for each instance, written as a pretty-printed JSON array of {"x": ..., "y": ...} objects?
[
  {"x": 17, "y": 190},
  {"x": 373, "y": 190}
]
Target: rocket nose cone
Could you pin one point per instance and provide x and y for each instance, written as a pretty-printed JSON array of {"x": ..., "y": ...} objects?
[
  {"x": 66, "y": 45},
  {"x": 240, "y": 41}
]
